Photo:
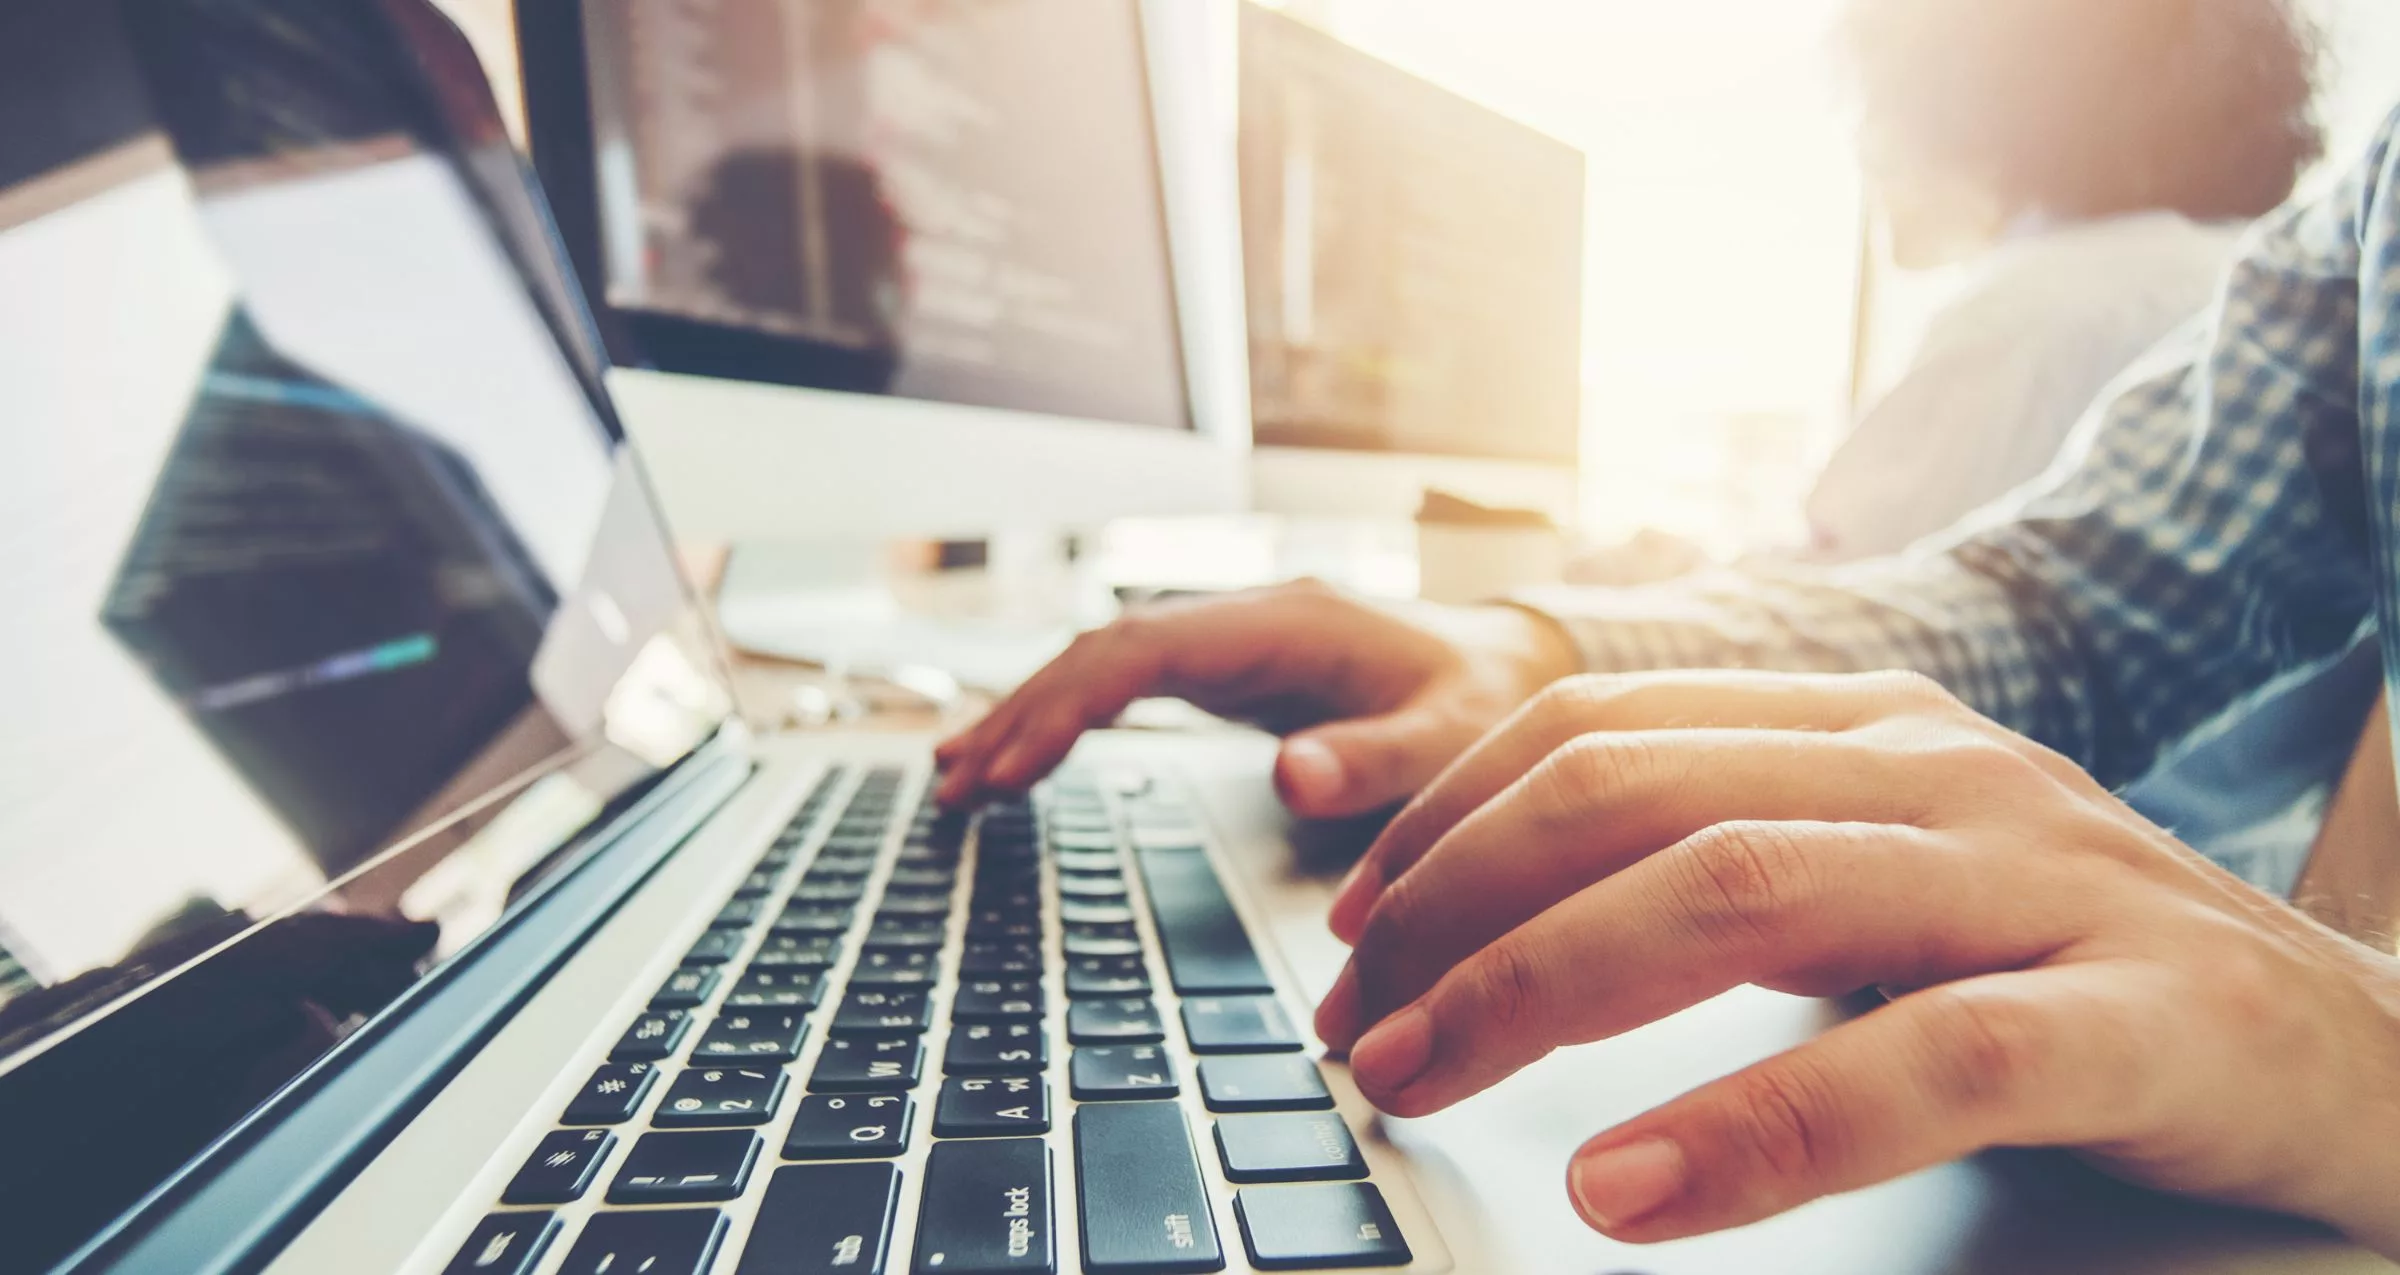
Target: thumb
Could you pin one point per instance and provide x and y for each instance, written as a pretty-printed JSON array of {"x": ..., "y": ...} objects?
[{"x": 1366, "y": 763}]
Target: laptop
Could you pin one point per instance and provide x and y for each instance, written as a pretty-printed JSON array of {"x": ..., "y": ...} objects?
[{"x": 388, "y": 884}]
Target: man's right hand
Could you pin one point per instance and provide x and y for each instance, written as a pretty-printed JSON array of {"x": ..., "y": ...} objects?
[{"x": 1374, "y": 700}]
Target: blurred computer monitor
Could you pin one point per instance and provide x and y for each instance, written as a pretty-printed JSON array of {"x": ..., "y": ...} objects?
[
  {"x": 1413, "y": 264},
  {"x": 904, "y": 267}
]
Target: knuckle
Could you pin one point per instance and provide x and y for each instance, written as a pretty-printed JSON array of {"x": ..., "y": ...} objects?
[
  {"x": 1750, "y": 877},
  {"x": 1507, "y": 981},
  {"x": 1571, "y": 702},
  {"x": 1913, "y": 689},
  {"x": 1990, "y": 1050},
  {"x": 1780, "y": 1120}
]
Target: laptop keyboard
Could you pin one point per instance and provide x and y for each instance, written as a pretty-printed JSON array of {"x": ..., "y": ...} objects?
[{"x": 937, "y": 1017}]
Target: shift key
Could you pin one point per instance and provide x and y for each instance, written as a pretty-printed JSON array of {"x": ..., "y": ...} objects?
[
  {"x": 1145, "y": 1208},
  {"x": 986, "y": 1209}
]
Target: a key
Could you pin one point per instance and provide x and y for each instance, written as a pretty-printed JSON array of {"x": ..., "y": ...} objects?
[
  {"x": 504, "y": 1244},
  {"x": 655, "y": 1242},
  {"x": 737, "y": 915},
  {"x": 1315, "y": 1227},
  {"x": 686, "y": 988},
  {"x": 1145, "y": 1208},
  {"x": 811, "y": 951},
  {"x": 991, "y": 1000},
  {"x": 561, "y": 1167},
  {"x": 653, "y": 1036},
  {"x": 993, "y": 1049},
  {"x": 769, "y": 987},
  {"x": 1113, "y": 1022},
  {"x": 1102, "y": 940},
  {"x": 1090, "y": 887},
  {"x": 986, "y": 1209},
  {"x": 894, "y": 969},
  {"x": 1001, "y": 960},
  {"x": 824, "y": 1219},
  {"x": 814, "y": 918},
  {"x": 1207, "y": 949},
  {"x": 1091, "y": 912},
  {"x": 683, "y": 1167},
  {"x": 908, "y": 935},
  {"x": 720, "y": 1097},
  {"x": 1262, "y": 1082},
  {"x": 772, "y": 1035},
  {"x": 612, "y": 1095},
  {"x": 868, "y": 1064},
  {"x": 850, "y": 1127},
  {"x": 882, "y": 1010},
  {"x": 992, "y": 1107},
  {"x": 1237, "y": 1025},
  {"x": 1107, "y": 976},
  {"x": 1309, "y": 1146},
  {"x": 1118, "y": 1073}
]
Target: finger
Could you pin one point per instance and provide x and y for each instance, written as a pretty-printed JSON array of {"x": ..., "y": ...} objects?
[
  {"x": 1767, "y": 701},
  {"x": 1352, "y": 767},
  {"x": 2041, "y": 1058},
  {"x": 1591, "y": 809},
  {"x": 1820, "y": 908}
]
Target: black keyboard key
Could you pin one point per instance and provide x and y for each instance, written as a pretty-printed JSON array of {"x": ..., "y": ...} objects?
[
  {"x": 612, "y": 1095},
  {"x": 1121, "y": 1073},
  {"x": 824, "y": 1219},
  {"x": 1089, "y": 861},
  {"x": 986, "y": 1209},
  {"x": 758, "y": 884},
  {"x": 906, "y": 907},
  {"x": 762, "y": 1035},
  {"x": 659, "y": 1242},
  {"x": 833, "y": 863},
  {"x": 850, "y": 1127},
  {"x": 992, "y": 1107},
  {"x": 686, "y": 988},
  {"x": 1206, "y": 947},
  {"x": 1107, "y": 976},
  {"x": 1263, "y": 1082},
  {"x": 715, "y": 948},
  {"x": 994, "y": 1000},
  {"x": 814, "y": 918},
  {"x": 1087, "y": 840},
  {"x": 1238, "y": 1025},
  {"x": 653, "y": 1036},
  {"x": 1001, "y": 960},
  {"x": 720, "y": 1097},
  {"x": 805, "y": 951},
  {"x": 1145, "y": 1208},
  {"x": 996, "y": 1049},
  {"x": 1102, "y": 941},
  {"x": 883, "y": 1010},
  {"x": 1090, "y": 887},
  {"x": 1312, "y": 1146},
  {"x": 895, "y": 969},
  {"x": 923, "y": 879},
  {"x": 1089, "y": 911},
  {"x": 685, "y": 1167},
  {"x": 837, "y": 893},
  {"x": 795, "y": 987},
  {"x": 561, "y": 1167},
  {"x": 740, "y": 914},
  {"x": 504, "y": 1244},
  {"x": 868, "y": 1064},
  {"x": 1300, "y": 1228},
  {"x": 913, "y": 934},
  {"x": 1114, "y": 1022}
]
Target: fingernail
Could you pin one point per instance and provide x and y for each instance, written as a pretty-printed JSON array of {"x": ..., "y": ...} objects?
[
  {"x": 1616, "y": 1188},
  {"x": 1003, "y": 770},
  {"x": 1312, "y": 774},
  {"x": 1337, "y": 1014},
  {"x": 1391, "y": 1057},
  {"x": 1347, "y": 918}
]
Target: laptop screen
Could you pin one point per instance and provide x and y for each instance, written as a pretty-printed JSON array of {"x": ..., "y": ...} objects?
[{"x": 336, "y": 615}]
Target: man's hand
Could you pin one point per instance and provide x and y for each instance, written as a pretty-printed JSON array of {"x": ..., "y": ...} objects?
[
  {"x": 1376, "y": 701},
  {"x": 2065, "y": 974}
]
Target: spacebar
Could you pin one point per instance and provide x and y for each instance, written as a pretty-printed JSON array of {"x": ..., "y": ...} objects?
[{"x": 1207, "y": 949}]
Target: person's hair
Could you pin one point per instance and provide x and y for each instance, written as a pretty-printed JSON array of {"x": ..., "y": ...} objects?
[{"x": 2089, "y": 108}]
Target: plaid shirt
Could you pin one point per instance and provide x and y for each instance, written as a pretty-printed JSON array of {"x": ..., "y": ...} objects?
[{"x": 2226, "y": 513}]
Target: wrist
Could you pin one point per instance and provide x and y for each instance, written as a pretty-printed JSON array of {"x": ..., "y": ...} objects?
[{"x": 2366, "y": 1181}]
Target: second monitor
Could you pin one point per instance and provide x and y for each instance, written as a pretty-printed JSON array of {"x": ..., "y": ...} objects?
[{"x": 1414, "y": 269}]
